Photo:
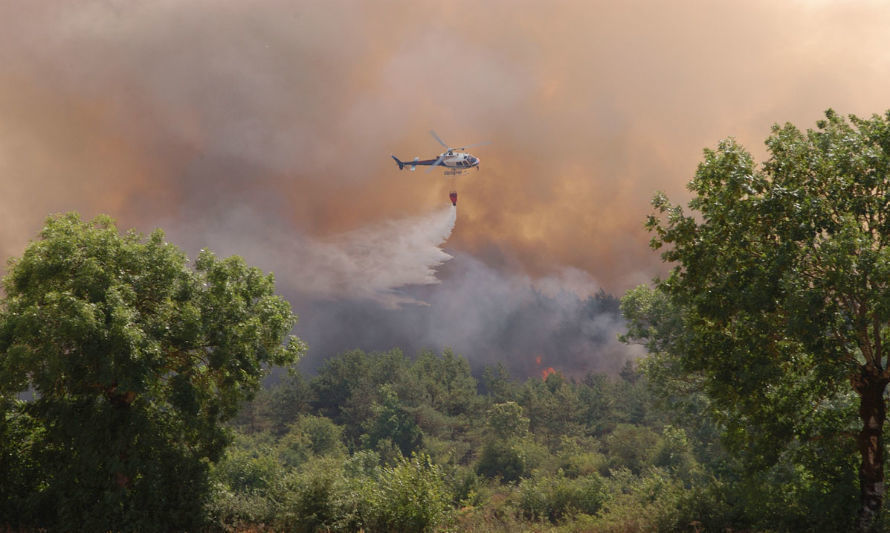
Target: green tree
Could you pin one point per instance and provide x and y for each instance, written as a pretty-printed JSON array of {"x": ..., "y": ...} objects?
[
  {"x": 135, "y": 360},
  {"x": 276, "y": 408},
  {"x": 782, "y": 284},
  {"x": 391, "y": 421},
  {"x": 597, "y": 403},
  {"x": 497, "y": 384},
  {"x": 503, "y": 455},
  {"x": 507, "y": 421},
  {"x": 553, "y": 407},
  {"x": 347, "y": 387},
  {"x": 446, "y": 382}
]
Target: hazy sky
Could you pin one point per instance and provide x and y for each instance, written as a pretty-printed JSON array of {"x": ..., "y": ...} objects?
[{"x": 236, "y": 125}]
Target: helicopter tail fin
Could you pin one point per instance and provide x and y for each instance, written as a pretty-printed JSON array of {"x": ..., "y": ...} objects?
[{"x": 401, "y": 165}]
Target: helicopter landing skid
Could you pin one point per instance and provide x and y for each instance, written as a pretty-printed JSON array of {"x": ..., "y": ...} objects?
[{"x": 455, "y": 172}]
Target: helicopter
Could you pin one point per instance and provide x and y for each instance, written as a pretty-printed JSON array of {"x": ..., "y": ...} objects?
[{"x": 455, "y": 163}]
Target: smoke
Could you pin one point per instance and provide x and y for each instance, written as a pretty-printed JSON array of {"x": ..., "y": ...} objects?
[
  {"x": 484, "y": 316},
  {"x": 264, "y": 129},
  {"x": 148, "y": 111},
  {"x": 369, "y": 263},
  {"x": 390, "y": 285}
]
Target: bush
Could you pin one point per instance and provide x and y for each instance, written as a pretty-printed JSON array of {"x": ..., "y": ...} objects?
[
  {"x": 410, "y": 496},
  {"x": 316, "y": 498},
  {"x": 632, "y": 447},
  {"x": 557, "y": 497},
  {"x": 648, "y": 502},
  {"x": 309, "y": 436},
  {"x": 510, "y": 460},
  {"x": 236, "y": 511},
  {"x": 580, "y": 457},
  {"x": 243, "y": 470},
  {"x": 501, "y": 459},
  {"x": 242, "y": 485}
]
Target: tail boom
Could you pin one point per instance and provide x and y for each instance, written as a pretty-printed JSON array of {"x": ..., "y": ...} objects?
[{"x": 412, "y": 164}]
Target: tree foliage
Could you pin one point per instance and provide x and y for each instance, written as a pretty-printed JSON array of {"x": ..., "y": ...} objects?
[
  {"x": 782, "y": 289},
  {"x": 134, "y": 360}
]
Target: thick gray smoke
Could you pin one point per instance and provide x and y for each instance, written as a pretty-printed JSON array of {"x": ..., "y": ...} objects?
[
  {"x": 390, "y": 285},
  {"x": 529, "y": 325}
]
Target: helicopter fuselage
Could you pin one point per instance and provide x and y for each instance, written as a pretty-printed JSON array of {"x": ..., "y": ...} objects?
[{"x": 454, "y": 162}]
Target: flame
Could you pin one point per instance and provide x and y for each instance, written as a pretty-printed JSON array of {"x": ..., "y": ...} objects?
[{"x": 545, "y": 371}]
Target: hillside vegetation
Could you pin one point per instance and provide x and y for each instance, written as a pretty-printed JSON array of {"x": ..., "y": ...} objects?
[{"x": 382, "y": 442}]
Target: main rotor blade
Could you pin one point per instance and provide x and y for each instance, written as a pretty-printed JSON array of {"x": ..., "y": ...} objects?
[
  {"x": 472, "y": 145},
  {"x": 437, "y": 163},
  {"x": 433, "y": 133}
]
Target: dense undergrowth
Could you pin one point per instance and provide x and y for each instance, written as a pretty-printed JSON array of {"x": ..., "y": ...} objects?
[{"x": 380, "y": 442}]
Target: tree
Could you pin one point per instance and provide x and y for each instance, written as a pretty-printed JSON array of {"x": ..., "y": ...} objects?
[
  {"x": 348, "y": 387},
  {"x": 782, "y": 285},
  {"x": 134, "y": 360},
  {"x": 446, "y": 382},
  {"x": 497, "y": 385},
  {"x": 553, "y": 407},
  {"x": 392, "y": 422},
  {"x": 507, "y": 421},
  {"x": 502, "y": 455}
]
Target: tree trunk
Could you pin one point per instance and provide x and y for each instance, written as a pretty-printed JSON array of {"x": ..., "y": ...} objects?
[{"x": 872, "y": 411}]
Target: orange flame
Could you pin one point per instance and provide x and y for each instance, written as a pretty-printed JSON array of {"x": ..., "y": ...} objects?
[{"x": 546, "y": 372}]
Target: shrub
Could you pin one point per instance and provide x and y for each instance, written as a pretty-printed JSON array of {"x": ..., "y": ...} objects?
[
  {"x": 314, "y": 498},
  {"x": 410, "y": 496},
  {"x": 632, "y": 447},
  {"x": 648, "y": 502},
  {"x": 310, "y": 435},
  {"x": 557, "y": 497},
  {"x": 501, "y": 459},
  {"x": 244, "y": 470}
]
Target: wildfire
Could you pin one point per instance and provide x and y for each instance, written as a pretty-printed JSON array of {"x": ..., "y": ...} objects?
[{"x": 544, "y": 371}]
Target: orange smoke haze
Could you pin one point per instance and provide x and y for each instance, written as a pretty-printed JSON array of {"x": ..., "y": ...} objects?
[{"x": 173, "y": 113}]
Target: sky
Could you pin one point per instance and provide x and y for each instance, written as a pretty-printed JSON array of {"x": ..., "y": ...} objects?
[{"x": 264, "y": 129}]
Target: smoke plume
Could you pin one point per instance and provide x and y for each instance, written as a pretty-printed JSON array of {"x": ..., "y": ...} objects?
[
  {"x": 369, "y": 263},
  {"x": 485, "y": 316},
  {"x": 264, "y": 129}
]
